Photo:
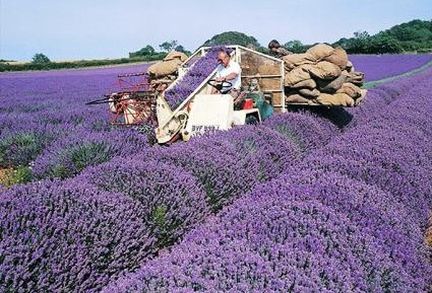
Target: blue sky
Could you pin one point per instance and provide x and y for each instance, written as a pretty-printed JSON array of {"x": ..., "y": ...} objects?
[{"x": 85, "y": 29}]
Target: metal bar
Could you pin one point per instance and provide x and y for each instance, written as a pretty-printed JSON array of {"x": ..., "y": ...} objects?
[
  {"x": 250, "y": 50},
  {"x": 262, "y": 54},
  {"x": 313, "y": 105},
  {"x": 262, "y": 76},
  {"x": 132, "y": 74},
  {"x": 190, "y": 57},
  {"x": 282, "y": 70},
  {"x": 188, "y": 98}
]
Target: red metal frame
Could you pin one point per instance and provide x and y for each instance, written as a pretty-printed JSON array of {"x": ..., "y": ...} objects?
[
  {"x": 129, "y": 82},
  {"x": 134, "y": 103}
]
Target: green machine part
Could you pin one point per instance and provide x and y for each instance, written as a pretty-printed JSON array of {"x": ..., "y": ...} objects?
[{"x": 264, "y": 108}]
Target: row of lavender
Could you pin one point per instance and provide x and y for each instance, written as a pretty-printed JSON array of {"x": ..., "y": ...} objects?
[{"x": 348, "y": 218}]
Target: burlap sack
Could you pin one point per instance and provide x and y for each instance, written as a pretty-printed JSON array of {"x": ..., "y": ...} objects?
[
  {"x": 339, "y": 57},
  {"x": 319, "y": 52},
  {"x": 308, "y": 84},
  {"x": 351, "y": 90},
  {"x": 295, "y": 76},
  {"x": 356, "y": 77},
  {"x": 164, "y": 68},
  {"x": 323, "y": 70},
  {"x": 331, "y": 86},
  {"x": 361, "y": 98},
  {"x": 340, "y": 99},
  {"x": 349, "y": 66},
  {"x": 294, "y": 60},
  {"x": 175, "y": 55},
  {"x": 307, "y": 93},
  {"x": 296, "y": 98}
]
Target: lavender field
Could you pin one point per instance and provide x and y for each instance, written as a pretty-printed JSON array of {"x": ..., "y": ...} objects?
[
  {"x": 299, "y": 203},
  {"x": 377, "y": 67}
]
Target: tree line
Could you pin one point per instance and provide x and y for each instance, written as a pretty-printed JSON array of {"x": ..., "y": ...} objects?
[{"x": 411, "y": 37}]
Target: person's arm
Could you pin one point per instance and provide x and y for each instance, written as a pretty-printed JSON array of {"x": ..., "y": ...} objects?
[
  {"x": 232, "y": 75},
  {"x": 228, "y": 77},
  {"x": 283, "y": 52}
]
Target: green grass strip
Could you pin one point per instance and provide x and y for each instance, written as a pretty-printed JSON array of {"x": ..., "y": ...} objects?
[{"x": 372, "y": 84}]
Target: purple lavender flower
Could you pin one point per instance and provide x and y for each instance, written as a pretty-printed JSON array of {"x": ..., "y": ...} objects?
[
  {"x": 69, "y": 236},
  {"x": 171, "y": 199},
  {"x": 224, "y": 172},
  {"x": 271, "y": 242},
  {"x": 70, "y": 155},
  {"x": 306, "y": 130},
  {"x": 199, "y": 71},
  {"x": 270, "y": 150}
]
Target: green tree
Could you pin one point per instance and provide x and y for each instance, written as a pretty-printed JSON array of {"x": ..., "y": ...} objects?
[
  {"x": 295, "y": 46},
  {"x": 146, "y": 51},
  {"x": 360, "y": 42},
  {"x": 168, "y": 46},
  {"x": 233, "y": 38},
  {"x": 40, "y": 58},
  {"x": 413, "y": 36},
  {"x": 180, "y": 48},
  {"x": 384, "y": 44}
]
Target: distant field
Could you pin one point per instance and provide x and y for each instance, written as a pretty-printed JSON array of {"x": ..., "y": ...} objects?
[{"x": 377, "y": 67}]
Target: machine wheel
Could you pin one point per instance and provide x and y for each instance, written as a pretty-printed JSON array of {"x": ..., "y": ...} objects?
[
  {"x": 220, "y": 86},
  {"x": 251, "y": 120}
]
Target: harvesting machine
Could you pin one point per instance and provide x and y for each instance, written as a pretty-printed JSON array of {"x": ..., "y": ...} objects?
[{"x": 262, "y": 93}]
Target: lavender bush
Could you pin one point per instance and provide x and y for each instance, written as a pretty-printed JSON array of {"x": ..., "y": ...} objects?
[
  {"x": 272, "y": 151},
  {"x": 272, "y": 243},
  {"x": 64, "y": 236},
  {"x": 70, "y": 155},
  {"x": 171, "y": 199},
  {"x": 224, "y": 173},
  {"x": 374, "y": 211},
  {"x": 409, "y": 93},
  {"x": 306, "y": 130}
]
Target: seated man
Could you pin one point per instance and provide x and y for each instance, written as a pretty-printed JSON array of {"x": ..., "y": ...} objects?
[
  {"x": 277, "y": 50},
  {"x": 230, "y": 71}
]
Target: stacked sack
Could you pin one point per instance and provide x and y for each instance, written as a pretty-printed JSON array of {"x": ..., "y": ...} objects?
[
  {"x": 323, "y": 75},
  {"x": 164, "y": 72}
]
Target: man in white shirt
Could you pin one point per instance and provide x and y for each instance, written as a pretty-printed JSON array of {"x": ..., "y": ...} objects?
[{"x": 230, "y": 71}]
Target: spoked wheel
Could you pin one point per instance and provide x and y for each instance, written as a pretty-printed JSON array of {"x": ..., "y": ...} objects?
[{"x": 221, "y": 86}]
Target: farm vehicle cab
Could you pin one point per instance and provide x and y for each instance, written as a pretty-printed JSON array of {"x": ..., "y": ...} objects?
[{"x": 209, "y": 112}]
